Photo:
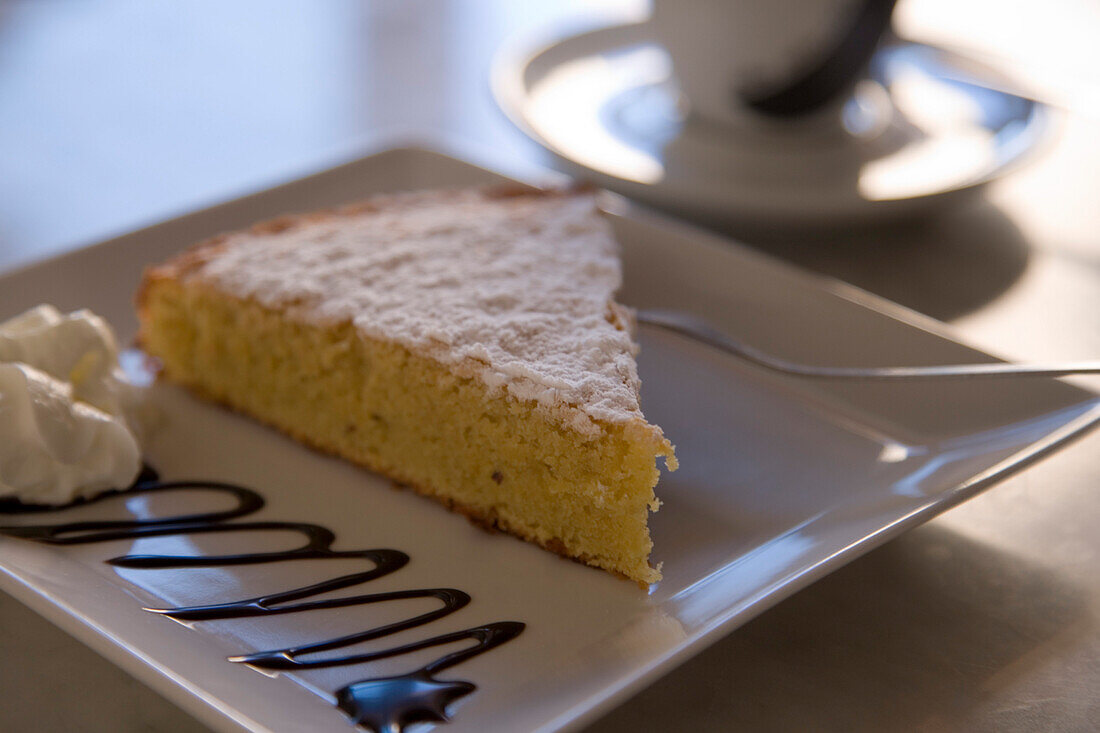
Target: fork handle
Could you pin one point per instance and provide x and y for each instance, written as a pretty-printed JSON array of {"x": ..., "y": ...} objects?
[{"x": 695, "y": 328}]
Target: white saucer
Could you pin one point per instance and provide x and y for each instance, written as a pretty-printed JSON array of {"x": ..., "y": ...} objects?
[{"x": 918, "y": 134}]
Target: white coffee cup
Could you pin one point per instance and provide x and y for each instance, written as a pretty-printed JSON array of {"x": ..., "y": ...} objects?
[{"x": 721, "y": 49}]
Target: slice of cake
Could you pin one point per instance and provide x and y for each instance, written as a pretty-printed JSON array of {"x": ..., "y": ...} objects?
[{"x": 465, "y": 343}]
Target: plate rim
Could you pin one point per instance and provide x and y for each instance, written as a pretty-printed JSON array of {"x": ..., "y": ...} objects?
[{"x": 216, "y": 714}]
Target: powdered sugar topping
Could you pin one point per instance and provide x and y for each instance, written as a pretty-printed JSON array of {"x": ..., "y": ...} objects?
[{"x": 515, "y": 290}]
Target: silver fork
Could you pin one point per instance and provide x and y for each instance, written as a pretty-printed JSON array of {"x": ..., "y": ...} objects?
[{"x": 696, "y": 328}]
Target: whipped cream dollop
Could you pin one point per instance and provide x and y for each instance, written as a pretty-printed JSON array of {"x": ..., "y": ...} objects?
[{"x": 64, "y": 400}]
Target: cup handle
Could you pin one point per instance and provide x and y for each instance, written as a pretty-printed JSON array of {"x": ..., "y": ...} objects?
[{"x": 825, "y": 79}]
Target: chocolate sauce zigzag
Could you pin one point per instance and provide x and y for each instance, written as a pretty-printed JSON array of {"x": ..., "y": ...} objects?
[{"x": 385, "y": 704}]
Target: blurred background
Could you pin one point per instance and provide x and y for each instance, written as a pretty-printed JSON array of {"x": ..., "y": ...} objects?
[
  {"x": 115, "y": 114},
  {"x": 118, "y": 113}
]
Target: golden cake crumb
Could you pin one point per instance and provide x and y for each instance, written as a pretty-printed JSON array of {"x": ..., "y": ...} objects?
[{"x": 465, "y": 344}]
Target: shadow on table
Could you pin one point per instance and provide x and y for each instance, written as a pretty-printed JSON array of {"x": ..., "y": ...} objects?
[
  {"x": 943, "y": 266},
  {"x": 906, "y": 638}
]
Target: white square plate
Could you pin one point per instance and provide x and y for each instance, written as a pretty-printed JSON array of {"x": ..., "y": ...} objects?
[{"x": 781, "y": 482}]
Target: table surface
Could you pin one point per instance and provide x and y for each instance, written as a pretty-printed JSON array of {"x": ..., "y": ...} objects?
[{"x": 115, "y": 114}]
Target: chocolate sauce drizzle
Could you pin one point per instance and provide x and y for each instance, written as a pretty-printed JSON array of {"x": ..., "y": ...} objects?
[{"x": 384, "y": 704}]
